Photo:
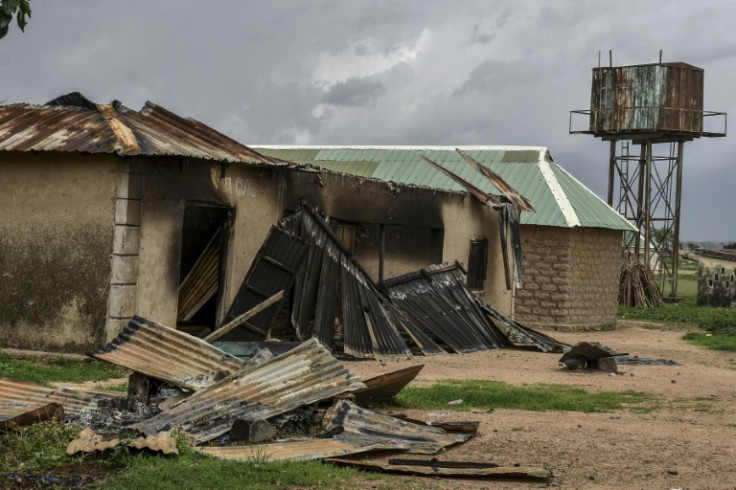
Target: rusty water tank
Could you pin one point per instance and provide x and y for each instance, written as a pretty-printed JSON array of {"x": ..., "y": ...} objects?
[{"x": 661, "y": 98}]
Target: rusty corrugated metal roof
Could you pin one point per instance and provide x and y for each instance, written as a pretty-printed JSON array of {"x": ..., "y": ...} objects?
[
  {"x": 72, "y": 123},
  {"x": 304, "y": 375},
  {"x": 349, "y": 429},
  {"x": 17, "y": 397},
  {"x": 163, "y": 353}
]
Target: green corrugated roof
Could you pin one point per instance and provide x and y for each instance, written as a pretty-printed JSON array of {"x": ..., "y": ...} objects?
[{"x": 559, "y": 198}]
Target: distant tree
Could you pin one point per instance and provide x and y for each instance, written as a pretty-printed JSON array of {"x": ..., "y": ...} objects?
[
  {"x": 730, "y": 246},
  {"x": 693, "y": 246},
  {"x": 20, "y": 8}
]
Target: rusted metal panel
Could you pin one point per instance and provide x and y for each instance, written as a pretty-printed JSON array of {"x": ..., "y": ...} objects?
[
  {"x": 385, "y": 386},
  {"x": 511, "y": 194},
  {"x": 652, "y": 98},
  {"x": 298, "y": 450},
  {"x": 17, "y": 398},
  {"x": 438, "y": 299},
  {"x": 519, "y": 334},
  {"x": 345, "y": 421},
  {"x": 73, "y": 123},
  {"x": 274, "y": 269},
  {"x": 330, "y": 275},
  {"x": 449, "y": 469},
  {"x": 304, "y": 375},
  {"x": 163, "y": 353}
]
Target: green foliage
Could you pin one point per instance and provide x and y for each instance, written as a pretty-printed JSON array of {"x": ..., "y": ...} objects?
[
  {"x": 20, "y": 8},
  {"x": 730, "y": 246},
  {"x": 56, "y": 370},
  {"x": 477, "y": 393},
  {"x": 714, "y": 341},
  {"x": 201, "y": 472}
]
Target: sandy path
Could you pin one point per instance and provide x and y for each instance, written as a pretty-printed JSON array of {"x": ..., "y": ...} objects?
[{"x": 689, "y": 443}]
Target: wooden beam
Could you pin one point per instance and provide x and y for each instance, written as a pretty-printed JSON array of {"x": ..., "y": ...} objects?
[{"x": 236, "y": 322}]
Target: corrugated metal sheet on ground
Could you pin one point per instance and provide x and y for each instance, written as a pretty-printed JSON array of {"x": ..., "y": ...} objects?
[
  {"x": 360, "y": 427},
  {"x": 354, "y": 430},
  {"x": 304, "y": 375},
  {"x": 383, "y": 387},
  {"x": 163, "y": 353},
  {"x": 521, "y": 167},
  {"x": 438, "y": 469},
  {"x": 17, "y": 397},
  {"x": 274, "y": 269},
  {"x": 438, "y": 299},
  {"x": 73, "y": 123}
]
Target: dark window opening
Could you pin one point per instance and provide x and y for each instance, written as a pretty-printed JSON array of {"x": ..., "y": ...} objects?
[{"x": 477, "y": 263}]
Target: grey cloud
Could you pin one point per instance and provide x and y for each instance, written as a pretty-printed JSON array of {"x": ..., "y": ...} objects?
[{"x": 354, "y": 92}]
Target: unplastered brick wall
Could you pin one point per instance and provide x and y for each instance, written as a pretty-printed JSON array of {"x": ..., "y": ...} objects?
[{"x": 571, "y": 277}]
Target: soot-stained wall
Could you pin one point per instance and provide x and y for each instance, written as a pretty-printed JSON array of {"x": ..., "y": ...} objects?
[{"x": 56, "y": 236}]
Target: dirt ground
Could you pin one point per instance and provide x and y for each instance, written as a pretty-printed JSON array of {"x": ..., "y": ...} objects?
[{"x": 688, "y": 443}]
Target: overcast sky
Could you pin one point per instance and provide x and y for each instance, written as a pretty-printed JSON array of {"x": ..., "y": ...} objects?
[{"x": 347, "y": 72}]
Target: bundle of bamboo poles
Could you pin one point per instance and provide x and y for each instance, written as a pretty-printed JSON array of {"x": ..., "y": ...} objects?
[{"x": 637, "y": 286}]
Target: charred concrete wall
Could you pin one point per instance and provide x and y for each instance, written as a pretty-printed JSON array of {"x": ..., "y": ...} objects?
[
  {"x": 56, "y": 235},
  {"x": 571, "y": 277},
  {"x": 444, "y": 223},
  {"x": 252, "y": 193}
]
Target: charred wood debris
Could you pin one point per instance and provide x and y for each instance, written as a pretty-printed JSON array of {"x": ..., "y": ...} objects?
[{"x": 239, "y": 392}]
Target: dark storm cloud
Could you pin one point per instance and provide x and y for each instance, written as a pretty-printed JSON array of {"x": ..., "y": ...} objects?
[
  {"x": 354, "y": 92},
  {"x": 384, "y": 72}
]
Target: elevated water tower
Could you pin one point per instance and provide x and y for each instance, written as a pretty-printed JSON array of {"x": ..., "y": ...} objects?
[{"x": 647, "y": 113}]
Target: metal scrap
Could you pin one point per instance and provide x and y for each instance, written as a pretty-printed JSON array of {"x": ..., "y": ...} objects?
[
  {"x": 172, "y": 356},
  {"x": 52, "y": 411},
  {"x": 17, "y": 398},
  {"x": 304, "y": 375},
  {"x": 438, "y": 299},
  {"x": 448, "y": 469},
  {"x": 347, "y": 422}
]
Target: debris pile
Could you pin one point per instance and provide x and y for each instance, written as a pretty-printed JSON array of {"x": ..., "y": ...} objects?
[
  {"x": 592, "y": 355},
  {"x": 303, "y": 267},
  {"x": 302, "y": 404}
]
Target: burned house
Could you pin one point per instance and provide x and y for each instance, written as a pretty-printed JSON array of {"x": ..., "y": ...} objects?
[
  {"x": 716, "y": 277},
  {"x": 110, "y": 212},
  {"x": 571, "y": 243}
]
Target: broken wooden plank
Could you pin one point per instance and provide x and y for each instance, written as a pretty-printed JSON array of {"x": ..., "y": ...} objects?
[{"x": 240, "y": 319}]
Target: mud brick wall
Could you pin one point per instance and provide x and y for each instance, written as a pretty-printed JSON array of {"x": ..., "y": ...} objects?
[{"x": 571, "y": 277}]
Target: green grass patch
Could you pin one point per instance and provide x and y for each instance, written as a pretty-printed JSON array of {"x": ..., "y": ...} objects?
[
  {"x": 713, "y": 341},
  {"x": 40, "y": 450},
  {"x": 485, "y": 394},
  {"x": 45, "y": 372},
  {"x": 201, "y": 472},
  {"x": 686, "y": 313}
]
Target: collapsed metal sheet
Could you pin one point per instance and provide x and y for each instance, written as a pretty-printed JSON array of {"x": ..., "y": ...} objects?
[
  {"x": 304, "y": 375},
  {"x": 329, "y": 275},
  {"x": 438, "y": 299},
  {"x": 349, "y": 429},
  {"x": 298, "y": 450},
  {"x": 519, "y": 334},
  {"x": 347, "y": 422},
  {"x": 448, "y": 470},
  {"x": 17, "y": 398},
  {"x": 201, "y": 283},
  {"x": 163, "y": 353},
  {"x": 273, "y": 270}
]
